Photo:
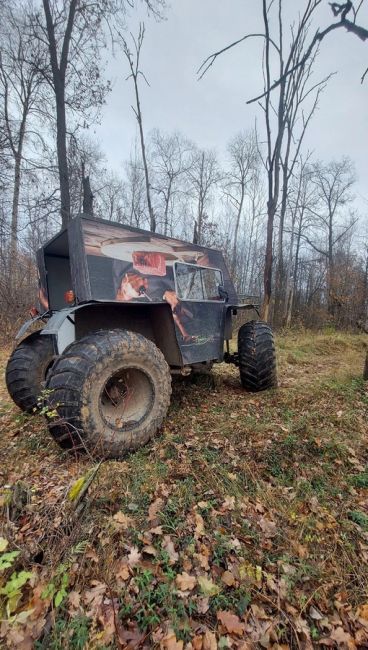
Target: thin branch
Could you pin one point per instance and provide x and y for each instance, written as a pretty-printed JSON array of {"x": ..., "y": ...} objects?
[
  {"x": 212, "y": 57},
  {"x": 361, "y": 32}
]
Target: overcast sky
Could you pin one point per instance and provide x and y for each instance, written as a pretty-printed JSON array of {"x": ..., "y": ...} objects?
[{"x": 210, "y": 111}]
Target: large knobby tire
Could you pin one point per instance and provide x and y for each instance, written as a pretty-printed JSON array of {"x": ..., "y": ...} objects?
[
  {"x": 111, "y": 391},
  {"x": 27, "y": 368},
  {"x": 257, "y": 356}
]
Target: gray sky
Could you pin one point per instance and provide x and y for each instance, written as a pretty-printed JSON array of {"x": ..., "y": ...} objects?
[{"x": 212, "y": 110}]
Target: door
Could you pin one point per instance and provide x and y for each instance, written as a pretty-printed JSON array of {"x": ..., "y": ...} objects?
[{"x": 198, "y": 312}]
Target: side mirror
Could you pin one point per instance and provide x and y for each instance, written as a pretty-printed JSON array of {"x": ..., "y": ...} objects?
[{"x": 223, "y": 293}]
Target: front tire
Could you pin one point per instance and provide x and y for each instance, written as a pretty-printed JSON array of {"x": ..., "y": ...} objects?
[
  {"x": 111, "y": 391},
  {"x": 257, "y": 356},
  {"x": 27, "y": 368}
]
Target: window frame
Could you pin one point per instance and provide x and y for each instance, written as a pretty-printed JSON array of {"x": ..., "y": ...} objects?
[{"x": 197, "y": 266}]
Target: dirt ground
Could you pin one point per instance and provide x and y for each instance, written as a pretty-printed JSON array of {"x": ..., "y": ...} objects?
[{"x": 243, "y": 525}]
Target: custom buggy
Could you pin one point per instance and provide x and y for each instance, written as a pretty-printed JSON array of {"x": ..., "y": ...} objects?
[{"x": 122, "y": 309}]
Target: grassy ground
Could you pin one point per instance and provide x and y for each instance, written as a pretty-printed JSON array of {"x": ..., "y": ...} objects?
[{"x": 244, "y": 524}]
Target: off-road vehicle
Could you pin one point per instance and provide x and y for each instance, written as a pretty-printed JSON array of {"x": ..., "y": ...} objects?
[{"x": 122, "y": 310}]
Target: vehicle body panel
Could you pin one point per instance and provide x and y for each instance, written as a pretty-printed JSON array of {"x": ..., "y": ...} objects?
[{"x": 113, "y": 264}]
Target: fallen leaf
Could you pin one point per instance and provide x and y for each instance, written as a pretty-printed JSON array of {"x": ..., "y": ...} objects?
[
  {"x": 228, "y": 578},
  {"x": 342, "y": 637},
  {"x": 74, "y": 600},
  {"x": 315, "y": 614},
  {"x": 207, "y": 586},
  {"x": 150, "y": 550},
  {"x": 199, "y": 529},
  {"x": 123, "y": 572},
  {"x": 185, "y": 582},
  {"x": 155, "y": 508},
  {"x": 93, "y": 597},
  {"x": 203, "y": 605},
  {"x": 363, "y": 612},
  {"x": 156, "y": 531},
  {"x": 231, "y": 623},
  {"x": 228, "y": 504},
  {"x": 268, "y": 527},
  {"x": 169, "y": 547},
  {"x": 122, "y": 520},
  {"x": 170, "y": 642},
  {"x": 106, "y": 617},
  {"x": 202, "y": 560},
  {"x": 134, "y": 556},
  {"x": 209, "y": 641}
]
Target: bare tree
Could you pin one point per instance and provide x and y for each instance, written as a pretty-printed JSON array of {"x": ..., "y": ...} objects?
[
  {"x": 244, "y": 157},
  {"x": 20, "y": 83},
  {"x": 204, "y": 175},
  {"x": 135, "y": 73},
  {"x": 281, "y": 60},
  {"x": 340, "y": 11},
  {"x": 328, "y": 227},
  {"x": 171, "y": 159},
  {"x": 75, "y": 33},
  {"x": 135, "y": 191}
]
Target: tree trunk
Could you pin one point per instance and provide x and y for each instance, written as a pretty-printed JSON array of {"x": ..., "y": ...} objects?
[
  {"x": 167, "y": 203},
  {"x": 15, "y": 209},
  {"x": 246, "y": 273},
  {"x": 330, "y": 271},
  {"x": 289, "y": 283},
  {"x": 138, "y": 114},
  {"x": 59, "y": 75},
  {"x": 267, "y": 276},
  {"x": 62, "y": 155},
  {"x": 87, "y": 195},
  {"x": 236, "y": 231}
]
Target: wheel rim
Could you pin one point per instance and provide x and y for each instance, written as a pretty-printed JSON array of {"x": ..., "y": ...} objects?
[{"x": 126, "y": 399}]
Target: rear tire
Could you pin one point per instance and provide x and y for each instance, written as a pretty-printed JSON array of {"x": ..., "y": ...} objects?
[
  {"x": 257, "y": 356},
  {"x": 111, "y": 391},
  {"x": 27, "y": 368}
]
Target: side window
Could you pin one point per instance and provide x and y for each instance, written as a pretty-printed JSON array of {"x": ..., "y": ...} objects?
[
  {"x": 211, "y": 279},
  {"x": 197, "y": 283}
]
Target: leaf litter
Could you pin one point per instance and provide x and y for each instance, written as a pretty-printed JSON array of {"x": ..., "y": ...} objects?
[{"x": 244, "y": 525}]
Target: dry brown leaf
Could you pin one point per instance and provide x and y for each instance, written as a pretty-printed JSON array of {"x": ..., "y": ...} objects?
[
  {"x": 106, "y": 617},
  {"x": 169, "y": 547},
  {"x": 203, "y": 605},
  {"x": 202, "y": 561},
  {"x": 209, "y": 641},
  {"x": 228, "y": 504},
  {"x": 155, "y": 508},
  {"x": 268, "y": 527},
  {"x": 363, "y": 612},
  {"x": 134, "y": 556},
  {"x": 185, "y": 582},
  {"x": 199, "y": 529},
  {"x": 197, "y": 643},
  {"x": 150, "y": 550},
  {"x": 170, "y": 642},
  {"x": 341, "y": 637},
  {"x": 228, "y": 578},
  {"x": 94, "y": 596},
  {"x": 123, "y": 572},
  {"x": 121, "y": 520},
  {"x": 231, "y": 623},
  {"x": 156, "y": 531},
  {"x": 130, "y": 638},
  {"x": 74, "y": 599}
]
